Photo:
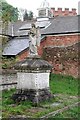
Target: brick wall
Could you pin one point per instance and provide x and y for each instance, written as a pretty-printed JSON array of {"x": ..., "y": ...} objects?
[
  {"x": 66, "y": 12},
  {"x": 63, "y": 59},
  {"x": 63, "y": 40},
  {"x": 22, "y": 55}
]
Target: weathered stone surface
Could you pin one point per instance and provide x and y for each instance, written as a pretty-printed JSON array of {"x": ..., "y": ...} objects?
[
  {"x": 35, "y": 96},
  {"x": 8, "y": 79},
  {"x": 33, "y": 80},
  {"x": 32, "y": 63}
]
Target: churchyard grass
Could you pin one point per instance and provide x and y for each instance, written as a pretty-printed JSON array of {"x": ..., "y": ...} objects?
[
  {"x": 65, "y": 90},
  {"x": 64, "y": 84},
  {"x": 72, "y": 112}
]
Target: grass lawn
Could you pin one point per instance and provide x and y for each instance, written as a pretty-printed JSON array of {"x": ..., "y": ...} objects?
[
  {"x": 72, "y": 112},
  {"x": 64, "y": 84},
  {"x": 65, "y": 89}
]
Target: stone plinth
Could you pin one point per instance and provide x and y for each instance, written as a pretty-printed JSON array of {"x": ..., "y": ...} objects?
[{"x": 33, "y": 80}]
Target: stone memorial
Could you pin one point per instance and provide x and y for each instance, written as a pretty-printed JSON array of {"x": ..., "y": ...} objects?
[{"x": 33, "y": 73}]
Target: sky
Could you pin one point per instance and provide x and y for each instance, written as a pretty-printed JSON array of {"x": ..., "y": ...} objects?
[{"x": 32, "y": 5}]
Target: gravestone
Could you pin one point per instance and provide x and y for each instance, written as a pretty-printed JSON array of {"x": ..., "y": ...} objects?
[{"x": 33, "y": 79}]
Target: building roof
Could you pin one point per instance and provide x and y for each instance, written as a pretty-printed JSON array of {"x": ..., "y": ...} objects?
[
  {"x": 56, "y": 25},
  {"x": 15, "y": 46},
  {"x": 15, "y": 25},
  {"x": 59, "y": 25},
  {"x": 41, "y": 24}
]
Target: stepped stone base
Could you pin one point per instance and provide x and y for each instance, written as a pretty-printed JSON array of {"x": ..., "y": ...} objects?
[{"x": 35, "y": 96}]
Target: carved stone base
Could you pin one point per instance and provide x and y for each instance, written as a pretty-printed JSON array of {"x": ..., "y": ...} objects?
[{"x": 36, "y": 96}]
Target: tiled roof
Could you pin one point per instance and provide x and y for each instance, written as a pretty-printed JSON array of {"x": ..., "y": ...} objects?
[
  {"x": 41, "y": 24},
  {"x": 57, "y": 25},
  {"x": 16, "y": 26},
  {"x": 15, "y": 46},
  {"x": 61, "y": 25}
]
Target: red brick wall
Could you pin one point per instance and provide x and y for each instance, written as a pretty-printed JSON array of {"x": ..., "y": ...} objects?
[
  {"x": 42, "y": 45},
  {"x": 58, "y": 41},
  {"x": 23, "y": 55},
  {"x": 61, "y": 40},
  {"x": 63, "y": 59},
  {"x": 69, "y": 65},
  {"x": 52, "y": 41},
  {"x": 66, "y": 12}
]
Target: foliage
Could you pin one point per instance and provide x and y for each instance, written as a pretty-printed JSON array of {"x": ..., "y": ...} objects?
[
  {"x": 25, "y": 17},
  {"x": 9, "y": 13},
  {"x": 7, "y": 63},
  {"x": 2, "y": 1},
  {"x": 28, "y": 16},
  {"x": 4, "y": 40}
]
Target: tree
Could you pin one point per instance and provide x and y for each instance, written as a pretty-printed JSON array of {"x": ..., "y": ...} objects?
[
  {"x": 9, "y": 13},
  {"x": 25, "y": 16},
  {"x": 2, "y": 1},
  {"x": 30, "y": 15}
]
